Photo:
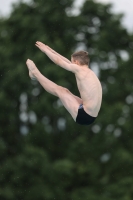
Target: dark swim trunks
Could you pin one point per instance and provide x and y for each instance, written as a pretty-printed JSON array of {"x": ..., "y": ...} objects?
[{"x": 83, "y": 118}]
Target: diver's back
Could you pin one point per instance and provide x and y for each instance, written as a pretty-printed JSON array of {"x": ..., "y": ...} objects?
[{"x": 90, "y": 90}]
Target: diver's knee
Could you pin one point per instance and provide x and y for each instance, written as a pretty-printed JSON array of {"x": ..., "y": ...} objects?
[{"x": 61, "y": 91}]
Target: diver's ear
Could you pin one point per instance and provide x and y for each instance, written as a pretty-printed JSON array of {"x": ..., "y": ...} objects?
[
  {"x": 72, "y": 60},
  {"x": 77, "y": 62}
]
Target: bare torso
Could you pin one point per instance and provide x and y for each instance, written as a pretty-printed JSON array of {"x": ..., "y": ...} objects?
[{"x": 90, "y": 90}]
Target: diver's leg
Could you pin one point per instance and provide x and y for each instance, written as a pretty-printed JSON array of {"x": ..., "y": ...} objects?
[
  {"x": 70, "y": 101},
  {"x": 34, "y": 73}
]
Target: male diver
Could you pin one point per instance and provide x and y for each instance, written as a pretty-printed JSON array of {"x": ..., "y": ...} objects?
[{"x": 83, "y": 110}]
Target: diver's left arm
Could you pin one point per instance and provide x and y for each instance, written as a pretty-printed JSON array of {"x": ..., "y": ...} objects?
[{"x": 57, "y": 59}]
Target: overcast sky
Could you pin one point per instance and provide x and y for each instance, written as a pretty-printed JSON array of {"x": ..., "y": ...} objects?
[{"x": 124, "y": 6}]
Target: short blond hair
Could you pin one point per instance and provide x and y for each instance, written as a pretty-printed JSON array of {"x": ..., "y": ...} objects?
[{"x": 82, "y": 57}]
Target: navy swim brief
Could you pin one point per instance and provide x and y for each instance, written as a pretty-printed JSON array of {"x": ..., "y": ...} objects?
[{"x": 83, "y": 118}]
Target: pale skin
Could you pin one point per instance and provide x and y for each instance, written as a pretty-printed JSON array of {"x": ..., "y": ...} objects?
[{"x": 88, "y": 84}]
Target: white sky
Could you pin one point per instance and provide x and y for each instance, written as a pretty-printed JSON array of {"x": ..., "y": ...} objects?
[{"x": 124, "y": 6}]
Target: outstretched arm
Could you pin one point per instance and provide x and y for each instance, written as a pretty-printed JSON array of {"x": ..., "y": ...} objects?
[
  {"x": 57, "y": 58},
  {"x": 65, "y": 59},
  {"x": 43, "y": 47}
]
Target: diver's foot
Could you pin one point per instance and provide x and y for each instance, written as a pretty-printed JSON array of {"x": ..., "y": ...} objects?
[{"x": 32, "y": 69}]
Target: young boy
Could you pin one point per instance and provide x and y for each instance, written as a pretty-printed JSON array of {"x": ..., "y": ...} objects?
[{"x": 83, "y": 110}]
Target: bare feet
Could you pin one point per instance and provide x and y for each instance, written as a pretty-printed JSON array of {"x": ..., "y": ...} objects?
[
  {"x": 32, "y": 69},
  {"x": 41, "y": 46}
]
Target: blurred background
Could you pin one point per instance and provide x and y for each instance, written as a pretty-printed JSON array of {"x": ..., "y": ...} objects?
[{"x": 44, "y": 154}]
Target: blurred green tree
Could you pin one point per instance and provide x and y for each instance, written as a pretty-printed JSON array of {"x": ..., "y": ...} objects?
[{"x": 44, "y": 153}]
